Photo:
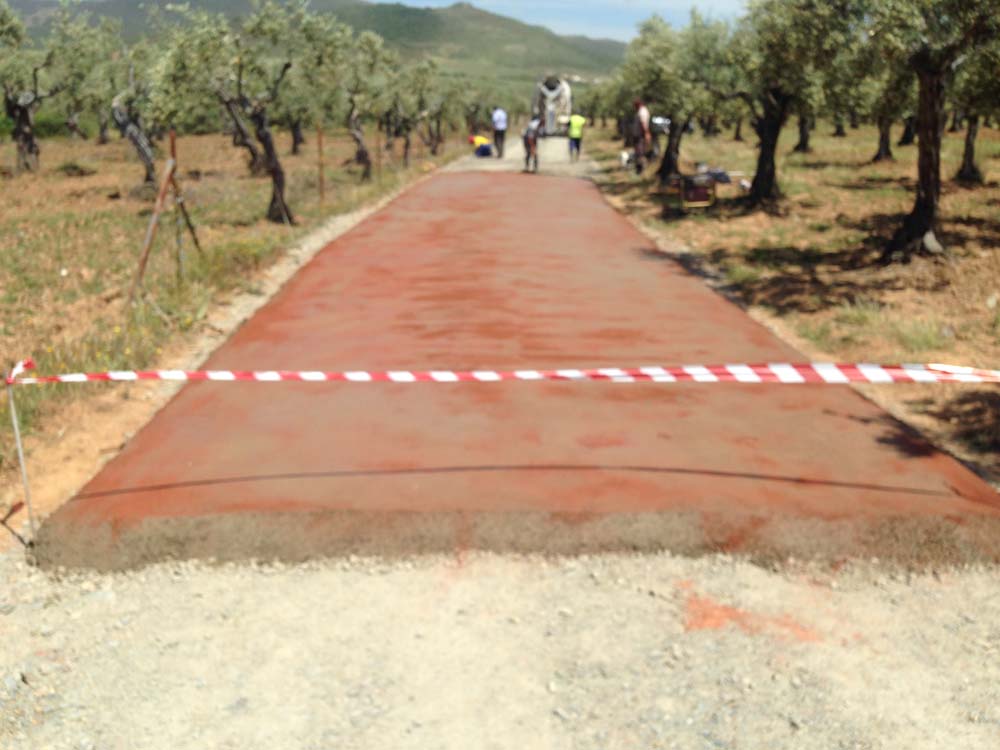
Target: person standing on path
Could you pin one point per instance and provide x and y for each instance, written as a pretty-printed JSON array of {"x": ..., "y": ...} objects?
[
  {"x": 576, "y": 123},
  {"x": 643, "y": 135},
  {"x": 499, "y": 129},
  {"x": 530, "y": 136}
]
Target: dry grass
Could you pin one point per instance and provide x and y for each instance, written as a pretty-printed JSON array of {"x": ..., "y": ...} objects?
[
  {"x": 810, "y": 266},
  {"x": 70, "y": 237}
]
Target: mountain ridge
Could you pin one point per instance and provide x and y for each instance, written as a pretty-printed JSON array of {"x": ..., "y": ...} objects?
[{"x": 462, "y": 38}]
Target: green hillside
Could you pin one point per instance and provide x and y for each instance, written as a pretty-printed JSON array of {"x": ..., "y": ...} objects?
[{"x": 463, "y": 38}]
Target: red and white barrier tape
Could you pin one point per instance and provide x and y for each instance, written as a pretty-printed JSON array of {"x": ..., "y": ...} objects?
[{"x": 737, "y": 373}]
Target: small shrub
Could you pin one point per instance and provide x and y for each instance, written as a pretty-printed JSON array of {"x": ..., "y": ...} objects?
[
  {"x": 49, "y": 124},
  {"x": 74, "y": 169}
]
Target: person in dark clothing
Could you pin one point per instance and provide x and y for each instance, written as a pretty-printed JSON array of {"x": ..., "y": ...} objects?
[{"x": 531, "y": 134}]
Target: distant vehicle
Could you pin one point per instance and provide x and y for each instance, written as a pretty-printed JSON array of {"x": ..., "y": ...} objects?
[
  {"x": 659, "y": 125},
  {"x": 553, "y": 102}
]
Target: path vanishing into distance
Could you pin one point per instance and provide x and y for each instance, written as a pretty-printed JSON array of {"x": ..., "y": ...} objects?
[{"x": 494, "y": 269}]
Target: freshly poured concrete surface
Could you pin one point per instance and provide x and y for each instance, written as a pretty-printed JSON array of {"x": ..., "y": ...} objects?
[{"x": 505, "y": 271}]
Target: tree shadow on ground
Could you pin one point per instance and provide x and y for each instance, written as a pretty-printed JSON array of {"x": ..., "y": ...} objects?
[
  {"x": 809, "y": 292},
  {"x": 704, "y": 266},
  {"x": 988, "y": 229},
  {"x": 823, "y": 164},
  {"x": 627, "y": 186},
  {"x": 904, "y": 439},
  {"x": 723, "y": 209},
  {"x": 969, "y": 186},
  {"x": 974, "y": 417},
  {"x": 807, "y": 280},
  {"x": 955, "y": 230},
  {"x": 871, "y": 183},
  {"x": 782, "y": 258}
]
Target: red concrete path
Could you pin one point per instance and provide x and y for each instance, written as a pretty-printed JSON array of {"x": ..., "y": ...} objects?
[{"x": 504, "y": 271}]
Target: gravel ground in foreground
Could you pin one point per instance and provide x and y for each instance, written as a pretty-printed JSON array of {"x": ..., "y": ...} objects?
[{"x": 487, "y": 651}]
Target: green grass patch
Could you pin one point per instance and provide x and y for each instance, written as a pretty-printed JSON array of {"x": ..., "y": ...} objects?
[
  {"x": 862, "y": 313},
  {"x": 916, "y": 336},
  {"x": 738, "y": 274},
  {"x": 819, "y": 334}
]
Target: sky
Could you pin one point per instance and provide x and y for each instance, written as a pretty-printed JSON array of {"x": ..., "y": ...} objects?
[{"x": 596, "y": 18}]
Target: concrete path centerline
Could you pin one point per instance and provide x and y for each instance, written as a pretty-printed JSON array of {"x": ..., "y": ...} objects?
[{"x": 473, "y": 270}]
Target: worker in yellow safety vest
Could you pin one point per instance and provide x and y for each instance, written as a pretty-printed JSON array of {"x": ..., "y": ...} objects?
[{"x": 576, "y": 123}]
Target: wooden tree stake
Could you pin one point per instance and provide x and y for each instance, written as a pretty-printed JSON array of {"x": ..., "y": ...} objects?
[
  {"x": 319, "y": 148},
  {"x": 179, "y": 196},
  {"x": 151, "y": 229}
]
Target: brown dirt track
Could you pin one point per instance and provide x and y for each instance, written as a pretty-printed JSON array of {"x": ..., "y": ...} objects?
[{"x": 503, "y": 271}]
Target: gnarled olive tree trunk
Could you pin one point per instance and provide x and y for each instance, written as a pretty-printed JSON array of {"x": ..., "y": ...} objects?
[
  {"x": 884, "y": 152},
  {"x": 970, "y": 172},
  {"x": 768, "y": 124},
  {"x": 909, "y": 136},
  {"x": 20, "y": 108},
  {"x": 956, "y": 121},
  {"x": 73, "y": 125},
  {"x": 130, "y": 128},
  {"x": 102, "y": 127},
  {"x": 361, "y": 155},
  {"x": 434, "y": 138},
  {"x": 670, "y": 164},
  {"x": 298, "y": 137},
  {"x": 242, "y": 139},
  {"x": 803, "y": 147},
  {"x": 278, "y": 210},
  {"x": 918, "y": 232}
]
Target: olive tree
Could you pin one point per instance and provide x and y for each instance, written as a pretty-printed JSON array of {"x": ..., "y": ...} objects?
[
  {"x": 417, "y": 97},
  {"x": 27, "y": 80},
  {"x": 366, "y": 73},
  {"x": 81, "y": 52},
  {"x": 778, "y": 50},
  {"x": 892, "y": 97},
  {"x": 240, "y": 65},
  {"x": 977, "y": 93},
  {"x": 442, "y": 105},
  {"x": 313, "y": 90},
  {"x": 132, "y": 73},
  {"x": 933, "y": 38},
  {"x": 654, "y": 71}
]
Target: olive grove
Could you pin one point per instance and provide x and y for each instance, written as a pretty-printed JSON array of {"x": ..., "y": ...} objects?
[{"x": 886, "y": 60}]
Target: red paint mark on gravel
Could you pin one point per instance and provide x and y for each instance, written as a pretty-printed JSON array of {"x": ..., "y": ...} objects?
[{"x": 704, "y": 613}]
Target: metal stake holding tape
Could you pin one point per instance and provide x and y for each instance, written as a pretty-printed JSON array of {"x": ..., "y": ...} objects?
[{"x": 20, "y": 451}]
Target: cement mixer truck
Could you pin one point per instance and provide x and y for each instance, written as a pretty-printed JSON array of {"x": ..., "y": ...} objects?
[{"x": 553, "y": 102}]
